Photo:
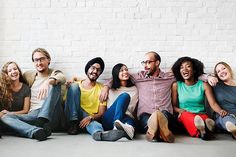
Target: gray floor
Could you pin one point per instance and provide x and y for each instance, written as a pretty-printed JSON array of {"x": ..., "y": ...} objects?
[{"x": 63, "y": 145}]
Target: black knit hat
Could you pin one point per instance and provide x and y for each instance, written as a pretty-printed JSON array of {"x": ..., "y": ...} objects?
[{"x": 93, "y": 61}]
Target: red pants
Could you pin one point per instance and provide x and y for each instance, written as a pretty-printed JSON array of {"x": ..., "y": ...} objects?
[{"x": 187, "y": 119}]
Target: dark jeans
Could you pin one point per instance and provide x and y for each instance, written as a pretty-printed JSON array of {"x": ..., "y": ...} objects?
[{"x": 143, "y": 118}]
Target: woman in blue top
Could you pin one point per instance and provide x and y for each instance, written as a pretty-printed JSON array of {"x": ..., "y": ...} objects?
[
  {"x": 225, "y": 92},
  {"x": 188, "y": 96}
]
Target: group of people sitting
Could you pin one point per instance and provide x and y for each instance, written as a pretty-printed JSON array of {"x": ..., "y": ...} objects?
[{"x": 151, "y": 101}]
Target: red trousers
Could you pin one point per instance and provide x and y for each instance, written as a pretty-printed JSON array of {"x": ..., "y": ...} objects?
[{"x": 187, "y": 119}]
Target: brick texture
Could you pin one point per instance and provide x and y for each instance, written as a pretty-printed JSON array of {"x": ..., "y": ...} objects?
[{"x": 74, "y": 31}]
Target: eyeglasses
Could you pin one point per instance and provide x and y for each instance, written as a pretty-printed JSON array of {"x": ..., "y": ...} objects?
[
  {"x": 41, "y": 59},
  {"x": 95, "y": 68},
  {"x": 147, "y": 62}
]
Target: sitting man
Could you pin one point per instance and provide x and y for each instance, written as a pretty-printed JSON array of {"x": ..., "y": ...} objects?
[
  {"x": 45, "y": 104},
  {"x": 83, "y": 108}
]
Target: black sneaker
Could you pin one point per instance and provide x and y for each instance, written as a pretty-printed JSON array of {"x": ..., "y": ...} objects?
[
  {"x": 40, "y": 135},
  {"x": 111, "y": 135},
  {"x": 73, "y": 129}
]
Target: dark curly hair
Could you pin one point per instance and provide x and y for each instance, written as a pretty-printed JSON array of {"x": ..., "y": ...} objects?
[
  {"x": 115, "y": 76},
  {"x": 198, "y": 68}
]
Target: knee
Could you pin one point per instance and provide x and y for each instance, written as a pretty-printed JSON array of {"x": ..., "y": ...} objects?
[
  {"x": 125, "y": 96},
  {"x": 7, "y": 116},
  {"x": 74, "y": 87}
]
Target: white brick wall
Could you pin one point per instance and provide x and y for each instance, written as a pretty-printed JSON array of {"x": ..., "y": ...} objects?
[{"x": 74, "y": 31}]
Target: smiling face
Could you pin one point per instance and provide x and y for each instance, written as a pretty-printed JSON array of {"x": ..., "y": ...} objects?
[
  {"x": 13, "y": 72},
  {"x": 186, "y": 70},
  {"x": 41, "y": 62},
  {"x": 223, "y": 72},
  {"x": 124, "y": 73},
  {"x": 94, "y": 72}
]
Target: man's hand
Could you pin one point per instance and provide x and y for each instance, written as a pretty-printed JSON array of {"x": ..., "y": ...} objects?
[
  {"x": 84, "y": 122},
  {"x": 212, "y": 80},
  {"x": 104, "y": 94},
  {"x": 69, "y": 82},
  {"x": 43, "y": 90},
  {"x": 222, "y": 113}
]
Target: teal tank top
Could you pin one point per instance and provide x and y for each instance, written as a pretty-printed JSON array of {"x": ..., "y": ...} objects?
[{"x": 191, "y": 98}]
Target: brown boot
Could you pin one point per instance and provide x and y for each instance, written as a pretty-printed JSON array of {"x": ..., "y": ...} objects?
[
  {"x": 165, "y": 133},
  {"x": 152, "y": 127}
]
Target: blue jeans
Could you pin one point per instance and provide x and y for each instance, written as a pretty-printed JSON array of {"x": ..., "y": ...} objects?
[
  {"x": 73, "y": 110},
  {"x": 117, "y": 112},
  {"x": 23, "y": 124},
  {"x": 220, "y": 121}
]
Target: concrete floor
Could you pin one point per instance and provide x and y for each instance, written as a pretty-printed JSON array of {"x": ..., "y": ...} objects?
[{"x": 82, "y": 145}]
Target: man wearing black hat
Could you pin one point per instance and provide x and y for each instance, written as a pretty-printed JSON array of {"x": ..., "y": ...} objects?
[{"x": 83, "y": 108}]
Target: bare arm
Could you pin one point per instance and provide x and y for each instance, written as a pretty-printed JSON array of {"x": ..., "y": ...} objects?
[
  {"x": 211, "y": 99},
  {"x": 174, "y": 98},
  {"x": 105, "y": 91},
  {"x": 212, "y": 80}
]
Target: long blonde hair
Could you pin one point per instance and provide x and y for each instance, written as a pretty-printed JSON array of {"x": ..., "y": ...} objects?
[{"x": 227, "y": 66}]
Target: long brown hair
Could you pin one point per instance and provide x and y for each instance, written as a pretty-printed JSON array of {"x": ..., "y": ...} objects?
[
  {"x": 5, "y": 91},
  {"x": 5, "y": 67}
]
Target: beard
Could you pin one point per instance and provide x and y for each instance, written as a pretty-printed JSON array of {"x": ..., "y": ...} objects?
[{"x": 93, "y": 78}]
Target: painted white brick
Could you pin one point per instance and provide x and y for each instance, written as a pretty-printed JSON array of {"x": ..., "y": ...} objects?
[{"x": 74, "y": 31}]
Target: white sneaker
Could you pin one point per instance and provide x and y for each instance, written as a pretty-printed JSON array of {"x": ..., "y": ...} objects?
[{"x": 128, "y": 129}]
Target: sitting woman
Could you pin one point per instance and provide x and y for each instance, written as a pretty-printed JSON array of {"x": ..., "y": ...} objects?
[
  {"x": 188, "y": 96},
  {"x": 121, "y": 103},
  {"x": 225, "y": 92},
  {"x": 17, "y": 100}
]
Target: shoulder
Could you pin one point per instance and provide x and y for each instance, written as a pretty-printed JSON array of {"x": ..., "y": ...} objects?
[
  {"x": 99, "y": 85},
  {"x": 26, "y": 89},
  {"x": 29, "y": 73},
  {"x": 54, "y": 71},
  {"x": 175, "y": 84},
  {"x": 25, "y": 86},
  {"x": 205, "y": 84}
]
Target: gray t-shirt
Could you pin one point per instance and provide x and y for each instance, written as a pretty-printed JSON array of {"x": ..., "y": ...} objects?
[
  {"x": 18, "y": 98},
  {"x": 226, "y": 97}
]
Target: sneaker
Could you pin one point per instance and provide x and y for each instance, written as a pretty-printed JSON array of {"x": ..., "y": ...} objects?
[
  {"x": 231, "y": 128},
  {"x": 210, "y": 124},
  {"x": 40, "y": 135},
  {"x": 152, "y": 124},
  {"x": 111, "y": 135},
  {"x": 128, "y": 129},
  {"x": 200, "y": 125},
  {"x": 165, "y": 134},
  {"x": 73, "y": 129}
]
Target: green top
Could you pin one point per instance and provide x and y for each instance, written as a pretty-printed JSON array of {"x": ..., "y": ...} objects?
[{"x": 191, "y": 98}]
